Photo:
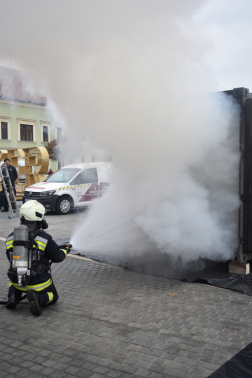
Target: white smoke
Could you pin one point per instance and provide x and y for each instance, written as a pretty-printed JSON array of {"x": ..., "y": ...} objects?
[
  {"x": 184, "y": 198},
  {"x": 132, "y": 77}
]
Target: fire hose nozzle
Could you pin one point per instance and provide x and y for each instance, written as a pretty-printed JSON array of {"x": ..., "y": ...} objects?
[{"x": 68, "y": 245}]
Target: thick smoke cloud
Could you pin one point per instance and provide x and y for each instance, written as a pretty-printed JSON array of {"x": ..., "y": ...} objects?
[
  {"x": 182, "y": 193},
  {"x": 132, "y": 76}
]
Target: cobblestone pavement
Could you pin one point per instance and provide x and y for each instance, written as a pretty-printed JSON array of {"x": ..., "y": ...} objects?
[{"x": 112, "y": 322}]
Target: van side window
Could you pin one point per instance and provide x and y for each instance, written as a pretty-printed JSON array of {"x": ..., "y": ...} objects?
[{"x": 86, "y": 177}]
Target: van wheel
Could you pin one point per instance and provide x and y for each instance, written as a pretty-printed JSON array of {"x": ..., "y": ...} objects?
[{"x": 64, "y": 205}]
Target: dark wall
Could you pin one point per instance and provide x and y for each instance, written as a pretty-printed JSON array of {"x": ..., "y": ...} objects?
[
  {"x": 248, "y": 176},
  {"x": 244, "y": 99}
]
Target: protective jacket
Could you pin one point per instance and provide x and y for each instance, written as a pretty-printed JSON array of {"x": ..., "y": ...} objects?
[{"x": 49, "y": 251}]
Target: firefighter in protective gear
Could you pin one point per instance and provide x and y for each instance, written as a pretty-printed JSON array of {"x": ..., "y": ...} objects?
[{"x": 40, "y": 289}]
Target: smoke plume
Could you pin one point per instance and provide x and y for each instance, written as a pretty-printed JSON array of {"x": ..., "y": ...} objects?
[{"x": 132, "y": 77}]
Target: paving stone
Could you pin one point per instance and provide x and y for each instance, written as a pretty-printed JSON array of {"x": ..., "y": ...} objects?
[
  {"x": 5, "y": 365},
  {"x": 59, "y": 374},
  {"x": 155, "y": 375},
  {"x": 113, "y": 373},
  {"x": 49, "y": 363},
  {"x": 147, "y": 357},
  {"x": 103, "y": 362},
  {"x": 130, "y": 361},
  {"x": 47, "y": 371},
  {"x": 101, "y": 369},
  {"x": 88, "y": 365},
  {"x": 70, "y": 352},
  {"x": 39, "y": 359},
  {"x": 143, "y": 364},
  {"x": 26, "y": 364},
  {"x": 77, "y": 362},
  {"x": 211, "y": 367},
  {"x": 128, "y": 369},
  {"x": 23, "y": 373},
  {"x": 83, "y": 373},
  {"x": 197, "y": 370},
  {"x": 72, "y": 369},
  {"x": 35, "y": 375},
  {"x": 141, "y": 372},
  {"x": 13, "y": 369},
  {"x": 175, "y": 373},
  {"x": 156, "y": 368},
  {"x": 36, "y": 367}
]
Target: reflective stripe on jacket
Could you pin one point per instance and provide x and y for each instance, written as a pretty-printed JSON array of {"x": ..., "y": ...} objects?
[{"x": 41, "y": 242}]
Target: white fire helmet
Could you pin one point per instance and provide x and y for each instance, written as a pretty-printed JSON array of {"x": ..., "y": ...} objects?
[{"x": 32, "y": 211}]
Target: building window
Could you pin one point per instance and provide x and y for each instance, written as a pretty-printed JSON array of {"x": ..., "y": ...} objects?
[
  {"x": 26, "y": 133},
  {"x": 59, "y": 133},
  {"x": 4, "y": 130},
  {"x": 45, "y": 134},
  {"x": 26, "y": 130}
]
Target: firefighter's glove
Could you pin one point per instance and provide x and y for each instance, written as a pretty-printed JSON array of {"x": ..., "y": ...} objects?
[
  {"x": 69, "y": 246},
  {"x": 66, "y": 248}
]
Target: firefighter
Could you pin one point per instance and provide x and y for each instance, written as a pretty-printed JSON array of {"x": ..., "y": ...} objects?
[{"x": 40, "y": 289}]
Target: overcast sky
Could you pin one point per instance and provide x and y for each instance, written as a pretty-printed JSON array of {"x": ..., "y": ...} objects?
[
  {"x": 228, "y": 23},
  {"x": 224, "y": 24},
  {"x": 42, "y": 35}
]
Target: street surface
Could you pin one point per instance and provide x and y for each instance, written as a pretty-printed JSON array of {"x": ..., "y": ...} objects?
[{"x": 112, "y": 322}]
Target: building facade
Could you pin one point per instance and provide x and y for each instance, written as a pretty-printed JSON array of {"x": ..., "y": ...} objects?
[{"x": 25, "y": 119}]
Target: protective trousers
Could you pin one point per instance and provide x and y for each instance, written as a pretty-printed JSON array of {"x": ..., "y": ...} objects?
[{"x": 47, "y": 296}]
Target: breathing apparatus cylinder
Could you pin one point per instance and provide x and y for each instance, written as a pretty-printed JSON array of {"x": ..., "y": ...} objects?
[{"x": 20, "y": 257}]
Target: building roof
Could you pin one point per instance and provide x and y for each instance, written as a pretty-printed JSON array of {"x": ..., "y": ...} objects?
[{"x": 16, "y": 86}]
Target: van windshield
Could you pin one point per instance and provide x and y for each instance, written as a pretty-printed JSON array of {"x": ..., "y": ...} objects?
[{"x": 63, "y": 175}]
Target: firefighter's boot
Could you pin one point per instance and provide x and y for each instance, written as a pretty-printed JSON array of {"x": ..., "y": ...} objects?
[
  {"x": 33, "y": 298},
  {"x": 12, "y": 301}
]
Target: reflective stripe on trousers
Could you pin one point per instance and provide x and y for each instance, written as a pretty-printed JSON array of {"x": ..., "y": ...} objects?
[
  {"x": 37, "y": 287},
  {"x": 43, "y": 294},
  {"x": 50, "y": 296}
]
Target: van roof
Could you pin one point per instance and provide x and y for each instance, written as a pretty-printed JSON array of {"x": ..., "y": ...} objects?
[{"x": 89, "y": 165}]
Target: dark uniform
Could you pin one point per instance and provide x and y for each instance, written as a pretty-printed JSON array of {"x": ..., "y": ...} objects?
[
  {"x": 13, "y": 176},
  {"x": 41, "y": 282}
]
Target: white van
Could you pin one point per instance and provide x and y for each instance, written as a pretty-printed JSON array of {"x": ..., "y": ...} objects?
[{"x": 74, "y": 185}]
